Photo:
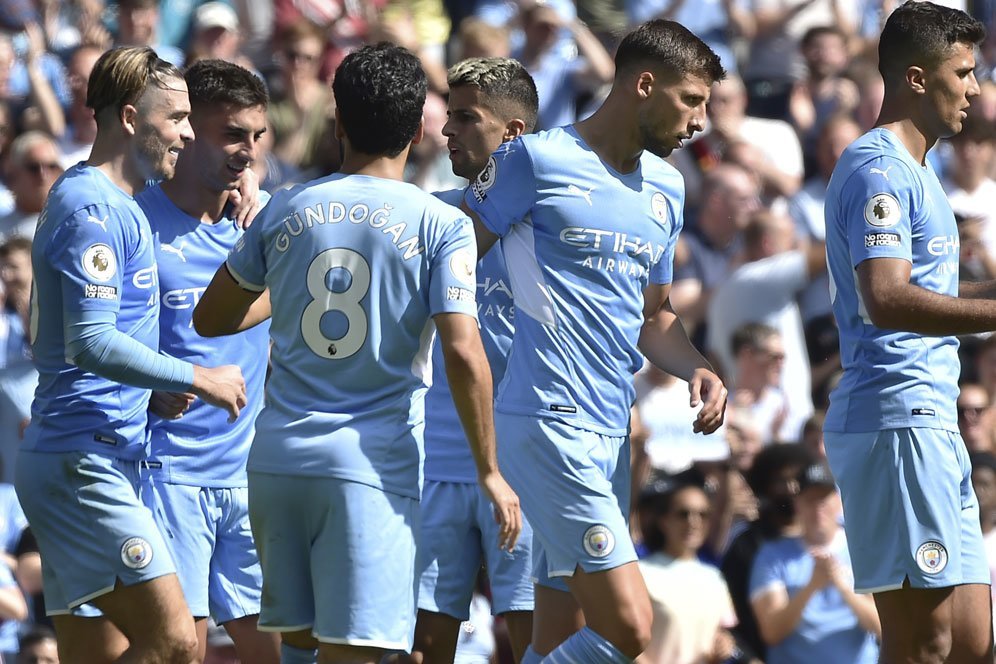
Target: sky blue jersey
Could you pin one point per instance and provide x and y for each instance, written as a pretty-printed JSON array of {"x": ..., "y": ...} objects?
[
  {"x": 201, "y": 448},
  {"x": 356, "y": 265},
  {"x": 882, "y": 204},
  {"x": 447, "y": 454},
  {"x": 92, "y": 251},
  {"x": 581, "y": 242}
]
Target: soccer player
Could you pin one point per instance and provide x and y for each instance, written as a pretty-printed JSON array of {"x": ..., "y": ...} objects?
[
  {"x": 891, "y": 432},
  {"x": 356, "y": 264},
  {"x": 589, "y": 215},
  {"x": 198, "y": 460},
  {"x": 491, "y": 100},
  {"x": 95, "y": 331}
]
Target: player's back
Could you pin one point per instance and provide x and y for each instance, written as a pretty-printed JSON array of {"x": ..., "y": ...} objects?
[
  {"x": 92, "y": 251},
  {"x": 355, "y": 266},
  {"x": 882, "y": 204}
]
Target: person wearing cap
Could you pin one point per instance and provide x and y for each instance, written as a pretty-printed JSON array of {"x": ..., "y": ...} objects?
[
  {"x": 215, "y": 34},
  {"x": 802, "y": 590}
]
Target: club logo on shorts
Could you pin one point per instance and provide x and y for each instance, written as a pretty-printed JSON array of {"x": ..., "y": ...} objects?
[
  {"x": 931, "y": 557},
  {"x": 99, "y": 262},
  {"x": 599, "y": 541},
  {"x": 658, "y": 204},
  {"x": 882, "y": 211},
  {"x": 136, "y": 553},
  {"x": 486, "y": 179}
]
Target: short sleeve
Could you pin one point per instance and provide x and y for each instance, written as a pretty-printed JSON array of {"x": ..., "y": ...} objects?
[
  {"x": 90, "y": 251},
  {"x": 662, "y": 272},
  {"x": 505, "y": 190},
  {"x": 766, "y": 572},
  {"x": 247, "y": 260},
  {"x": 453, "y": 271},
  {"x": 877, "y": 206}
]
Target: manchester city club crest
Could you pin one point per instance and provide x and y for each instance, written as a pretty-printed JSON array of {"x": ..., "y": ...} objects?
[
  {"x": 932, "y": 557},
  {"x": 136, "y": 553},
  {"x": 599, "y": 541}
]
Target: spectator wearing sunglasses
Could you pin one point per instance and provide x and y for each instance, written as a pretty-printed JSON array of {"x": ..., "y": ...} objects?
[{"x": 33, "y": 166}]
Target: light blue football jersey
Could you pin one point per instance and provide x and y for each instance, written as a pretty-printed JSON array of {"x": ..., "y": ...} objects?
[
  {"x": 92, "y": 251},
  {"x": 447, "y": 454},
  {"x": 882, "y": 203},
  {"x": 355, "y": 265},
  {"x": 581, "y": 243},
  {"x": 201, "y": 448}
]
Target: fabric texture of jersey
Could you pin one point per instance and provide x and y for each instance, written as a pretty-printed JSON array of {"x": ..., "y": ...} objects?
[
  {"x": 581, "y": 243},
  {"x": 201, "y": 448},
  {"x": 447, "y": 454},
  {"x": 882, "y": 204},
  {"x": 92, "y": 252},
  {"x": 356, "y": 266}
]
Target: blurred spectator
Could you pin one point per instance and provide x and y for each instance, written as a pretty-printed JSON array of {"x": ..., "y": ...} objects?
[
  {"x": 871, "y": 92},
  {"x": 707, "y": 248},
  {"x": 984, "y": 481},
  {"x": 18, "y": 377},
  {"x": 759, "y": 356},
  {"x": 975, "y": 418},
  {"x": 774, "y": 62},
  {"x": 773, "y": 479},
  {"x": 970, "y": 186},
  {"x": 825, "y": 92},
  {"x": 422, "y": 27},
  {"x": 985, "y": 365},
  {"x": 476, "y": 642},
  {"x": 273, "y": 172},
  {"x": 802, "y": 588},
  {"x": 81, "y": 128},
  {"x": 29, "y": 576},
  {"x": 215, "y": 34},
  {"x": 38, "y": 86},
  {"x": 301, "y": 103},
  {"x": 429, "y": 164},
  {"x": 12, "y": 524},
  {"x": 561, "y": 75},
  {"x": 38, "y": 646},
  {"x": 717, "y": 22},
  {"x": 480, "y": 39},
  {"x": 812, "y": 436},
  {"x": 138, "y": 24},
  {"x": 7, "y": 135},
  {"x": 692, "y": 607},
  {"x": 764, "y": 289},
  {"x": 975, "y": 261},
  {"x": 33, "y": 166}
]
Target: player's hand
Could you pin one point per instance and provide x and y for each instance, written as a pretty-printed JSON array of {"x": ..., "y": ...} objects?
[
  {"x": 223, "y": 387},
  {"x": 245, "y": 199},
  {"x": 707, "y": 389},
  {"x": 506, "y": 507},
  {"x": 170, "y": 405}
]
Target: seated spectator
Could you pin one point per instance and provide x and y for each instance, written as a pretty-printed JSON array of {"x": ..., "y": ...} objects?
[
  {"x": 692, "y": 607},
  {"x": 984, "y": 481},
  {"x": 773, "y": 479},
  {"x": 38, "y": 646},
  {"x": 759, "y": 355},
  {"x": 33, "y": 166},
  {"x": 801, "y": 588},
  {"x": 138, "y": 25},
  {"x": 975, "y": 418}
]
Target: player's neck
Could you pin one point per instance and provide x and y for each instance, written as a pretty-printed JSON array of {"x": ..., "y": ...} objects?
[
  {"x": 378, "y": 166},
  {"x": 188, "y": 194},
  {"x": 611, "y": 137},
  {"x": 111, "y": 159},
  {"x": 905, "y": 126}
]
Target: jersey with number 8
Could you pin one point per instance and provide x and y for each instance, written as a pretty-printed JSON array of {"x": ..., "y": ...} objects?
[{"x": 356, "y": 266}]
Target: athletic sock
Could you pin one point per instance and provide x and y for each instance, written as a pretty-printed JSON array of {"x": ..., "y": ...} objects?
[
  {"x": 292, "y": 655},
  {"x": 586, "y": 647},
  {"x": 530, "y": 657}
]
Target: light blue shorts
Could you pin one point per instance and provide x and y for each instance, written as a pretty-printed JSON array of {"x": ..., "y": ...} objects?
[
  {"x": 86, "y": 511},
  {"x": 574, "y": 488},
  {"x": 458, "y": 532},
  {"x": 909, "y": 508},
  {"x": 338, "y": 557},
  {"x": 208, "y": 533}
]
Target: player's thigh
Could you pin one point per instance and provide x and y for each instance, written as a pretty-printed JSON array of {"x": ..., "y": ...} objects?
[
  {"x": 925, "y": 527},
  {"x": 152, "y": 615},
  {"x": 567, "y": 479},
  {"x": 88, "y": 639},
  {"x": 188, "y": 525},
  {"x": 436, "y": 636},
  {"x": 556, "y": 617},
  {"x": 92, "y": 528},
  {"x": 235, "y": 579},
  {"x": 449, "y": 553},
  {"x": 616, "y": 604},
  {"x": 368, "y": 536}
]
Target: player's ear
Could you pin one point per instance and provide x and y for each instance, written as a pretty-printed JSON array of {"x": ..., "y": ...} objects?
[
  {"x": 419, "y": 133},
  {"x": 128, "y": 116},
  {"x": 644, "y": 84},
  {"x": 513, "y": 129},
  {"x": 916, "y": 80},
  {"x": 340, "y": 133}
]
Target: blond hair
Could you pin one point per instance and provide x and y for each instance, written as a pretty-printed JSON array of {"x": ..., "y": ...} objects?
[{"x": 121, "y": 75}]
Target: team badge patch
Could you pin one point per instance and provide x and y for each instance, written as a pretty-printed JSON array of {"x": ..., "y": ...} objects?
[
  {"x": 136, "y": 553},
  {"x": 882, "y": 211},
  {"x": 462, "y": 267},
  {"x": 486, "y": 179},
  {"x": 99, "y": 262},
  {"x": 931, "y": 557},
  {"x": 658, "y": 204},
  {"x": 599, "y": 541}
]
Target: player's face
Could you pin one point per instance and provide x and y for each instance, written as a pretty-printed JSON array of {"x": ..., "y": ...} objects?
[
  {"x": 227, "y": 144},
  {"x": 472, "y": 131},
  {"x": 686, "y": 522},
  {"x": 950, "y": 88},
  {"x": 673, "y": 113},
  {"x": 162, "y": 129}
]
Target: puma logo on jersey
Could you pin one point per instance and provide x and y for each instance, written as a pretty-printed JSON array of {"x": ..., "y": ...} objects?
[
  {"x": 100, "y": 222},
  {"x": 586, "y": 195},
  {"x": 170, "y": 249},
  {"x": 884, "y": 173}
]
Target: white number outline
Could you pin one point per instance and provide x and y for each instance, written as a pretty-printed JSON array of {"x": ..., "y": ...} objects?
[{"x": 347, "y": 302}]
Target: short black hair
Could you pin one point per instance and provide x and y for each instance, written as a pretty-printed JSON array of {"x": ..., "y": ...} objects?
[
  {"x": 379, "y": 93},
  {"x": 507, "y": 88},
  {"x": 220, "y": 82},
  {"x": 671, "y": 47},
  {"x": 921, "y": 33},
  {"x": 37, "y": 634},
  {"x": 772, "y": 460}
]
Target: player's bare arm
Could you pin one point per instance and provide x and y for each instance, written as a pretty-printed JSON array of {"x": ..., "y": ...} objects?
[
  {"x": 894, "y": 303},
  {"x": 664, "y": 342},
  {"x": 470, "y": 380},
  {"x": 226, "y": 308}
]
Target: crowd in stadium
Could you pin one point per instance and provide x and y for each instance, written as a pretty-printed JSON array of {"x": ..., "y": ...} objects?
[{"x": 725, "y": 523}]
